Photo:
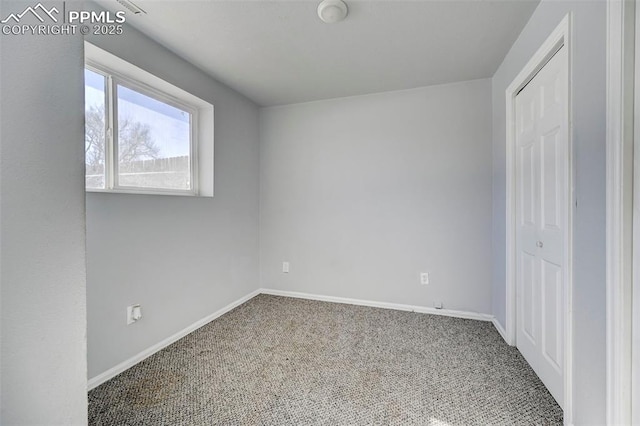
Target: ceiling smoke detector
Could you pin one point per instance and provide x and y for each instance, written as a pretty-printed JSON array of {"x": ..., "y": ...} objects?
[{"x": 332, "y": 11}]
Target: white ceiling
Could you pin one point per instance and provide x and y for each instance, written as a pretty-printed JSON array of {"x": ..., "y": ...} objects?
[{"x": 279, "y": 52}]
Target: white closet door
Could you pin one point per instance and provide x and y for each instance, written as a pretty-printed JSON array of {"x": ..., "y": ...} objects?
[{"x": 541, "y": 139}]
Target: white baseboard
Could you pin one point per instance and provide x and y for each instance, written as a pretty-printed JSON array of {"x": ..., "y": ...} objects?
[
  {"x": 500, "y": 329},
  {"x": 384, "y": 305},
  {"x": 114, "y": 371}
]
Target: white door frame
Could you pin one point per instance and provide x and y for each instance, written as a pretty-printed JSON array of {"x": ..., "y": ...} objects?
[
  {"x": 634, "y": 176},
  {"x": 561, "y": 36},
  {"x": 621, "y": 57}
]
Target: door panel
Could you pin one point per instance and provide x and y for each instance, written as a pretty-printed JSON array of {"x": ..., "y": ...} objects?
[
  {"x": 552, "y": 322},
  {"x": 541, "y": 207},
  {"x": 528, "y": 274},
  {"x": 550, "y": 176},
  {"x": 528, "y": 181}
]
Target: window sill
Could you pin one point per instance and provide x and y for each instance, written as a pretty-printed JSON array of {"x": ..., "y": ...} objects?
[{"x": 143, "y": 192}]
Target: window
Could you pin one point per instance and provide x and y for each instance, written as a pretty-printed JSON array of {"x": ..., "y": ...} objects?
[
  {"x": 143, "y": 134},
  {"x": 136, "y": 138}
]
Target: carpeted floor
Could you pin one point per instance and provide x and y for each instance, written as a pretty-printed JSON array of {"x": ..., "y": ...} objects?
[{"x": 283, "y": 361}]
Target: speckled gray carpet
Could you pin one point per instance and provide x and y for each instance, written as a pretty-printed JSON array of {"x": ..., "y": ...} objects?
[{"x": 283, "y": 361}]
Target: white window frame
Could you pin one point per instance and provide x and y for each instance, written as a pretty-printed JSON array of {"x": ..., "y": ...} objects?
[
  {"x": 112, "y": 80},
  {"x": 119, "y": 71}
]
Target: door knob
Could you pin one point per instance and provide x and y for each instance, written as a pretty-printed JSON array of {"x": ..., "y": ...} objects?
[{"x": 539, "y": 244}]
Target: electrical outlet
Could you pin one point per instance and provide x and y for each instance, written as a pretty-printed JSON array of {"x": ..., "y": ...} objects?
[
  {"x": 285, "y": 267},
  {"x": 134, "y": 313},
  {"x": 424, "y": 278}
]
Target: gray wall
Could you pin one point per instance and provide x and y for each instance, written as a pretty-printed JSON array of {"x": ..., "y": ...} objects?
[
  {"x": 181, "y": 258},
  {"x": 360, "y": 194},
  {"x": 588, "y": 85},
  {"x": 43, "y": 319}
]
